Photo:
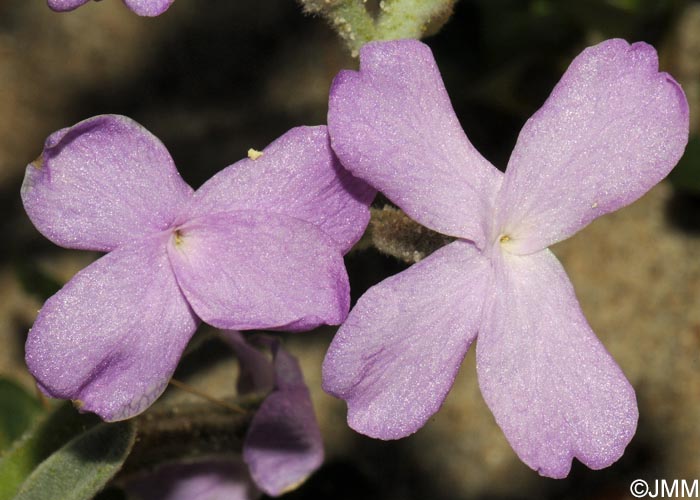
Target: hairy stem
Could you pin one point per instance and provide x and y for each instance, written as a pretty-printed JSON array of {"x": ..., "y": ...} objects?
[
  {"x": 412, "y": 18},
  {"x": 396, "y": 19},
  {"x": 188, "y": 431},
  {"x": 393, "y": 233},
  {"x": 349, "y": 18},
  {"x": 193, "y": 390}
]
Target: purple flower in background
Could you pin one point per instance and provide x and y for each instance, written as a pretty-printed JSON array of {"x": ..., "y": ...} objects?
[
  {"x": 259, "y": 246},
  {"x": 149, "y": 8},
  {"x": 282, "y": 447},
  {"x": 283, "y": 444},
  {"x": 612, "y": 128}
]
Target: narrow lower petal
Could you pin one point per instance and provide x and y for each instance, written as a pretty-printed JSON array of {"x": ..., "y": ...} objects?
[
  {"x": 612, "y": 128},
  {"x": 254, "y": 270},
  {"x": 255, "y": 370},
  {"x": 283, "y": 445},
  {"x": 148, "y": 8},
  {"x": 297, "y": 175},
  {"x": 397, "y": 355},
  {"x": 102, "y": 183},
  {"x": 553, "y": 388},
  {"x": 112, "y": 337},
  {"x": 392, "y": 125},
  {"x": 216, "y": 478},
  {"x": 65, "y": 5}
]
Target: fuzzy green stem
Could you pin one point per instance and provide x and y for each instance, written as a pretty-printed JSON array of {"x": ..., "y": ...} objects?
[
  {"x": 393, "y": 233},
  {"x": 412, "y": 18},
  {"x": 397, "y": 19},
  {"x": 349, "y": 18},
  {"x": 187, "y": 431}
]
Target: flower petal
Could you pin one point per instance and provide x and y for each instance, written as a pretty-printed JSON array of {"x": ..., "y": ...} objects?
[
  {"x": 255, "y": 270},
  {"x": 297, "y": 175},
  {"x": 283, "y": 445},
  {"x": 396, "y": 357},
  {"x": 112, "y": 337},
  {"x": 102, "y": 183},
  {"x": 553, "y": 388},
  {"x": 255, "y": 370},
  {"x": 65, "y": 5},
  {"x": 612, "y": 128},
  {"x": 148, "y": 8},
  {"x": 215, "y": 478},
  {"x": 392, "y": 125}
]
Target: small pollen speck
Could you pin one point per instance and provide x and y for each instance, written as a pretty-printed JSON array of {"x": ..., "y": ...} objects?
[
  {"x": 254, "y": 154},
  {"x": 78, "y": 403},
  {"x": 595, "y": 205},
  {"x": 504, "y": 239}
]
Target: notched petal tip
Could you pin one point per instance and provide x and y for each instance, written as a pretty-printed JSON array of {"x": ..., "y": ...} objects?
[
  {"x": 392, "y": 124},
  {"x": 395, "y": 358},
  {"x": 102, "y": 183},
  {"x": 613, "y": 127},
  {"x": 554, "y": 390}
]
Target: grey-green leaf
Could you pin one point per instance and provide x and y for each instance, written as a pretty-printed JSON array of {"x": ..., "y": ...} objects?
[
  {"x": 47, "y": 435},
  {"x": 81, "y": 468}
]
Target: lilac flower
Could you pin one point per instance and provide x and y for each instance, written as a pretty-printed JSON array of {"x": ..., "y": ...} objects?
[
  {"x": 259, "y": 246},
  {"x": 612, "y": 128},
  {"x": 148, "y": 8},
  {"x": 281, "y": 449}
]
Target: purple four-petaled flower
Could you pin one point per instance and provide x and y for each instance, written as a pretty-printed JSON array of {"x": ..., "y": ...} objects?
[
  {"x": 259, "y": 246},
  {"x": 612, "y": 128},
  {"x": 150, "y": 8}
]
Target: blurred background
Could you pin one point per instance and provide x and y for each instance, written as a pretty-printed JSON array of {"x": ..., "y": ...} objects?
[{"x": 212, "y": 79}]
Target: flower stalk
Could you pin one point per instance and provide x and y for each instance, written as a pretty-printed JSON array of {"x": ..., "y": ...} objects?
[{"x": 396, "y": 19}]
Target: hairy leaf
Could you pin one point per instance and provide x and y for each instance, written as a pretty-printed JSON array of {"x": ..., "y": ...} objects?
[
  {"x": 81, "y": 468},
  {"x": 47, "y": 435}
]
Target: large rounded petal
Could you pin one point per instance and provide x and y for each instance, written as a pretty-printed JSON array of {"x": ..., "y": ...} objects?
[
  {"x": 102, "y": 183},
  {"x": 397, "y": 355},
  {"x": 297, "y": 175},
  {"x": 148, "y": 8},
  {"x": 553, "y": 388},
  {"x": 392, "y": 125},
  {"x": 283, "y": 445},
  {"x": 254, "y": 270},
  {"x": 112, "y": 337},
  {"x": 612, "y": 128}
]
